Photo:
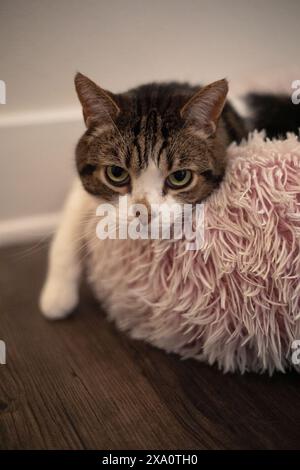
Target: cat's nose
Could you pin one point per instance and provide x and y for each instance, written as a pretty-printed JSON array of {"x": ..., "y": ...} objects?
[
  {"x": 142, "y": 210},
  {"x": 145, "y": 219}
]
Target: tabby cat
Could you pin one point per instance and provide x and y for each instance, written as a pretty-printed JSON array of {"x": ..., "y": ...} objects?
[{"x": 158, "y": 143}]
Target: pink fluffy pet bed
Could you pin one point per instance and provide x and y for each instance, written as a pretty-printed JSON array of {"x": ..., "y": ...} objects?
[{"x": 235, "y": 302}]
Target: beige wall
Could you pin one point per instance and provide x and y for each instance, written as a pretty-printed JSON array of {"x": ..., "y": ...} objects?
[
  {"x": 124, "y": 42},
  {"x": 119, "y": 43}
]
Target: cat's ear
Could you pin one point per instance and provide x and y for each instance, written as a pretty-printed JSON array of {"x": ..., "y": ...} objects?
[
  {"x": 205, "y": 107},
  {"x": 98, "y": 105}
]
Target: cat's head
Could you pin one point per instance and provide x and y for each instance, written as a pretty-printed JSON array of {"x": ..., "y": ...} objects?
[{"x": 159, "y": 143}]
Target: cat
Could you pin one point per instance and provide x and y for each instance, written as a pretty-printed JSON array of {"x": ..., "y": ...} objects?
[{"x": 155, "y": 144}]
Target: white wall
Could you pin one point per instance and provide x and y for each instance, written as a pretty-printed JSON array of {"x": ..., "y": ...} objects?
[{"x": 119, "y": 43}]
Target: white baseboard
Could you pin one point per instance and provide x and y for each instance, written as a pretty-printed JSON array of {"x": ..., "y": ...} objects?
[
  {"x": 40, "y": 117},
  {"x": 26, "y": 229},
  {"x": 37, "y": 165}
]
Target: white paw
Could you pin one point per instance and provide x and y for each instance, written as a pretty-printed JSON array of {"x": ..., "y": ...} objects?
[{"x": 58, "y": 299}]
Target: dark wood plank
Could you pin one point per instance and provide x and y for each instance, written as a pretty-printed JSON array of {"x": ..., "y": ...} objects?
[{"x": 81, "y": 384}]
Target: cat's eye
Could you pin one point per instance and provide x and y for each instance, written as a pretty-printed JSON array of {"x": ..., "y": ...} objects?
[
  {"x": 179, "y": 179},
  {"x": 117, "y": 175}
]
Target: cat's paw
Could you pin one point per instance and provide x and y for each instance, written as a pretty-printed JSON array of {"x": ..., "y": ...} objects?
[{"x": 58, "y": 299}]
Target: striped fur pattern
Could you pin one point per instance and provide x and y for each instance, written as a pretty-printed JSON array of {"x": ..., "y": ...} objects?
[{"x": 156, "y": 129}]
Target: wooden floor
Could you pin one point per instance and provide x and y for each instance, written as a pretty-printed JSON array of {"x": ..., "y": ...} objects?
[{"x": 79, "y": 383}]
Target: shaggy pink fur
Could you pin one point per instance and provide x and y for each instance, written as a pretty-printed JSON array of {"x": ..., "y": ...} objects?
[{"x": 236, "y": 301}]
